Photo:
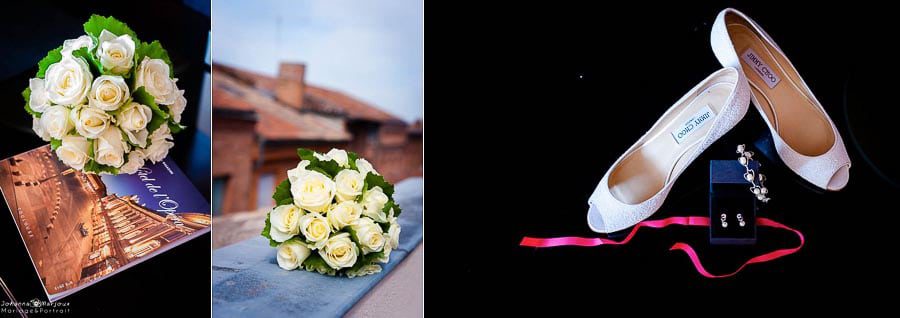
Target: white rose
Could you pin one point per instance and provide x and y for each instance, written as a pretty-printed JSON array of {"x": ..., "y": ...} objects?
[
  {"x": 74, "y": 151},
  {"x": 285, "y": 220},
  {"x": 39, "y": 129},
  {"x": 109, "y": 148},
  {"x": 343, "y": 214},
  {"x": 56, "y": 122},
  {"x": 160, "y": 143},
  {"x": 68, "y": 81},
  {"x": 339, "y": 251},
  {"x": 116, "y": 53},
  {"x": 153, "y": 75},
  {"x": 348, "y": 185},
  {"x": 313, "y": 191},
  {"x": 39, "y": 100},
  {"x": 365, "y": 167},
  {"x": 386, "y": 252},
  {"x": 373, "y": 203},
  {"x": 291, "y": 254},
  {"x": 364, "y": 270},
  {"x": 133, "y": 119},
  {"x": 135, "y": 162},
  {"x": 108, "y": 92},
  {"x": 339, "y": 156},
  {"x": 177, "y": 108},
  {"x": 90, "y": 121},
  {"x": 394, "y": 233},
  {"x": 295, "y": 173},
  {"x": 368, "y": 234},
  {"x": 315, "y": 228},
  {"x": 72, "y": 45}
]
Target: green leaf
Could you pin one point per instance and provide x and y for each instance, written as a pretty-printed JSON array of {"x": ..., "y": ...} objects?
[
  {"x": 175, "y": 127},
  {"x": 153, "y": 50},
  {"x": 282, "y": 193},
  {"x": 306, "y": 154},
  {"x": 389, "y": 205},
  {"x": 374, "y": 180},
  {"x": 351, "y": 159},
  {"x": 55, "y": 55},
  {"x": 367, "y": 259},
  {"x": 315, "y": 263},
  {"x": 267, "y": 229},
  {"x": 93, "y": 166},
  {"x": 92, "y": 61},
  {"x": 159, "y": 116},
  {"x": 330, "y": 167},
  {"x": 319, "y": 170},
  {"x": 55, "y": 143},
  {"x": 97, "y": 23},
  {"x": 27, "y": 95}
]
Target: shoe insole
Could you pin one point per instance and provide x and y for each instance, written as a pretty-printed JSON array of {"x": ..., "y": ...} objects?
[
  {"x": 777, "y": 88},
  {"x": 647, "y": 169}
]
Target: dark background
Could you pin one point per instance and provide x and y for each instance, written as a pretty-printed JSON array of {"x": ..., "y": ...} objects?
[
  {"x": 547, "y": 97},
  {"x": 175, "y": 282}
]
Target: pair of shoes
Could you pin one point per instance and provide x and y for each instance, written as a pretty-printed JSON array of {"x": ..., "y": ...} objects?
[{"x": 755, "y": 69}]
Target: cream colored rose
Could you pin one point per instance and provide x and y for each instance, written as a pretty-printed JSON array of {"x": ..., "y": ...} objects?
[
  {"x": 177, "y": 108},
  {"x": 108, "y": 92},
  {"x": 315, "y": 228},
  {"x": 116, "y": 53},
  {"x": 313, "y": 191},
  {"x": 39, "y": 129},
  {"x": 73, "y": 151},
  {"x": 339, "y": 156},
  {"x": 135, "y": 162},
  {"x": 339, "y": 251},
  {"x": 39, "y": 100},
  {"x": 153, "y": 75},
  {"x": 344, "y": 214},
  {"x": 285, "y": 220},
  {"x": 373, "y": 203},
  {"x": 368, "y": 234},
  {"x": 160, "y": 143},
  {"x": 348, "y": 185},
  {"x": 291, "y": 254},
  {"x": 89, "y": 121},
  {"x": 295, "y": 173},
  {"x": 394, "y": 233},
  {"x": 133, "y": 119},
  {"x": 364, "y": 167},
  {"x": 109, "y": 148},
  {"x": 68, "y": 81},
  {"x": 72, "y": 45},
  {"x": 56, "y": 121}
]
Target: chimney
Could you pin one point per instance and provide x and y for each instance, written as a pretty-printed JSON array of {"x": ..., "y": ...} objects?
[{"x": 291, "y": 86}]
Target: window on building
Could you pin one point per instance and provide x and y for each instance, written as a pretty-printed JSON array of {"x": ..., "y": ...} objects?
[
  {"x": 218, "y": 194},
  {"x": 264, "y": 190}
]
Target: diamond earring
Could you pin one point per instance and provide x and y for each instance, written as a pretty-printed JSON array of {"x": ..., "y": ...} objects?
[
  {"x": 724, "y": 217},
  {"x": 741, "y": 220}
]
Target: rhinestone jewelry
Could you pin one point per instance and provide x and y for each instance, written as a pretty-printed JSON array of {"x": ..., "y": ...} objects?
[
  {"x": 756, "y": 179},
  {"x": 724, "y": 217},
  {"x": 741, "y": 220}
]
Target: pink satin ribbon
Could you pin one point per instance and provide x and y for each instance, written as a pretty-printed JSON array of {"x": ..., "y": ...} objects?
[{"x": 677, "y": 220}]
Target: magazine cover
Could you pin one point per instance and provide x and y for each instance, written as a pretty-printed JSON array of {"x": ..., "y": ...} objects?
[{"x": 80, "y": 228}]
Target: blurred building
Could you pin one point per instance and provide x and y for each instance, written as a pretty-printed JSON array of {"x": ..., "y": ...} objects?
[{"x": 261, "y": 120}]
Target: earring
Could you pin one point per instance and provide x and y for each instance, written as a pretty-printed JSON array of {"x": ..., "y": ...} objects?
[
  {"x": 741, "y": 220},
  {"x": 724, "y": 217}
]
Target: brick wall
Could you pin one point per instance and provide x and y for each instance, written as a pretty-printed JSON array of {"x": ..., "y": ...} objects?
[{"x": 234, "y": 151}]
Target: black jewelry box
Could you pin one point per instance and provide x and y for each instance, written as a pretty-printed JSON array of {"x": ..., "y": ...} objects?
[{"x": 730, "y": 203}]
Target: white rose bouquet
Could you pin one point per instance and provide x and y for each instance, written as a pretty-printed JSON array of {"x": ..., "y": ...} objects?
[
  {"x": 334, "y": 215},
  {"x": 106, "y": 101}
]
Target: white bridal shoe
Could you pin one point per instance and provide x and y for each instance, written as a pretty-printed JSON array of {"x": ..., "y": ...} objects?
[
  {"x": 639, "y": 181},
  {"x": 803, "y": 135}
]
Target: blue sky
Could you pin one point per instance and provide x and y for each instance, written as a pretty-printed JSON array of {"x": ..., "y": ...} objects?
[{"x": 373, "y": 50}]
